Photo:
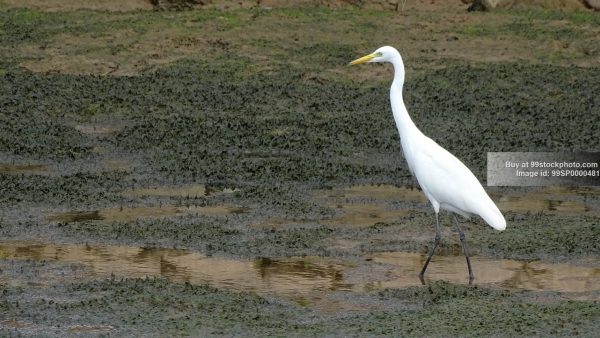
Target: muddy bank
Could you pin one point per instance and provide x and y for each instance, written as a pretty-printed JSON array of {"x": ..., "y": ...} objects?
[{"x": 131, "y": 43}]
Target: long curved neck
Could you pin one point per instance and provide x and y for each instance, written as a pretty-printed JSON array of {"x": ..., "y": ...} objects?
[{"x": 403, "y": 121}]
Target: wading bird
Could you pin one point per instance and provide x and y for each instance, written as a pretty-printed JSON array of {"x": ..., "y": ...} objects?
[{"x": 444, "y": 179}]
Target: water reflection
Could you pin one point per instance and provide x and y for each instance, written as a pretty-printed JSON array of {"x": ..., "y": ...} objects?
[
  {"x": 291, "y": 277},
  {"x": 301, "y": 278},
  {"x": 303, "y": 271},
  {"x": 514, "y": 274},
  {"x": 134, "y": 213}
]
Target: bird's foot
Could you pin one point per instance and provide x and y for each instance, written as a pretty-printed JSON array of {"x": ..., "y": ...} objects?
[
  {"x": 422, "y": 278},
  {"x": 471, "y": 278}
]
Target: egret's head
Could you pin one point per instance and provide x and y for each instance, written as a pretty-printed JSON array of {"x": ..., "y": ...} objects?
[{"x": 383, "y": 54}]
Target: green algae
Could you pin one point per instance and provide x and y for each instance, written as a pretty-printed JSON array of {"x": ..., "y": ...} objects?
[
  {"x": 276, "y": 137},
  {"x": 157, "y": 307}
]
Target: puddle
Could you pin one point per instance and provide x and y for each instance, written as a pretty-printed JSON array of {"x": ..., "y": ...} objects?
[
  {"x": 366, "y": 205},
  {"x": 134, "y": 213},
  {"x": 525, "y": 204},
  {"x": 194, "y": 190},
  {"x": 362, "y": 215},
  {"x": 283, "y": 277},
  {"x": 376, "y": 192},
  {"x": 23, "y": 168},
  {"x": 353, "y": 216},
  {"x": 75, "y": 216},
  {"x": 506, "y": 273},
  {"x": 309, "y": 279},
  {"x": 554, "y": 200}
]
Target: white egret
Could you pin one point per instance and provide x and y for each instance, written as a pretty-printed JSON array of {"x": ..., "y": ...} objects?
[{"x": 444, "y": 179}]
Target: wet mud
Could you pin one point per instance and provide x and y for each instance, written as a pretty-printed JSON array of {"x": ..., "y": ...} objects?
[
  {"x": 158, "y": 307},
  {"x": 262, "y": 190}
]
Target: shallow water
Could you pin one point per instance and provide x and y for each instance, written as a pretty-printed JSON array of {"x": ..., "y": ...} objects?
[
  {"x": 133, "y": 213},
  {"x": 555, "y": 200},
  {"x": 506, "y": 273},
  {"x": 307, "y": 276}
]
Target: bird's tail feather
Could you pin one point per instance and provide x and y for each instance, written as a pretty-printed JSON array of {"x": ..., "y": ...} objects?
[{"x": 494, "y": 218}]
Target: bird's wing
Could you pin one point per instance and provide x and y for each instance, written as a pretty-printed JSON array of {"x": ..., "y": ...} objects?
[{"x": 447, "y": 180}]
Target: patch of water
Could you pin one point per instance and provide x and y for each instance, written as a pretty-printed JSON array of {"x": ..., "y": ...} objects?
[
  {"x": 382, "y": 192},
  {"x": 362, "y": 215},
  {"x": 284, "y": 277},
  {"x": 555, "y": 200},
  {"x": 303, "y": 278},
  {"x": 506, "y": 273},
  {"x": 352, "y": 216},
  {"x": 141, "y": 212},
  {"x": 193, "y": 190}
]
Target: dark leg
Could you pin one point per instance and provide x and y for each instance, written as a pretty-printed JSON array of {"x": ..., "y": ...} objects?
[
  {"x": 463, "y": 241},
  {"x": 438, "y": 235}
]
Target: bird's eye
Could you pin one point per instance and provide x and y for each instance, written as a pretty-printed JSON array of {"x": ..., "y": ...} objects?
[{"x": 378, "y": 54}]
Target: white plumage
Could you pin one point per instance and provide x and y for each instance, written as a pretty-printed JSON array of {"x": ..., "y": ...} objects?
[{"x": 445, "y": 180}]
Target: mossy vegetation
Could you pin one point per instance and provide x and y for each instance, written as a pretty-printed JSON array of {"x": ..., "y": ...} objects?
[{"x": 260, "y": 101}]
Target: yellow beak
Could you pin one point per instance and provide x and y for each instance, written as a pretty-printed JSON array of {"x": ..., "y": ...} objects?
[{"x": 363, "y": 59}]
